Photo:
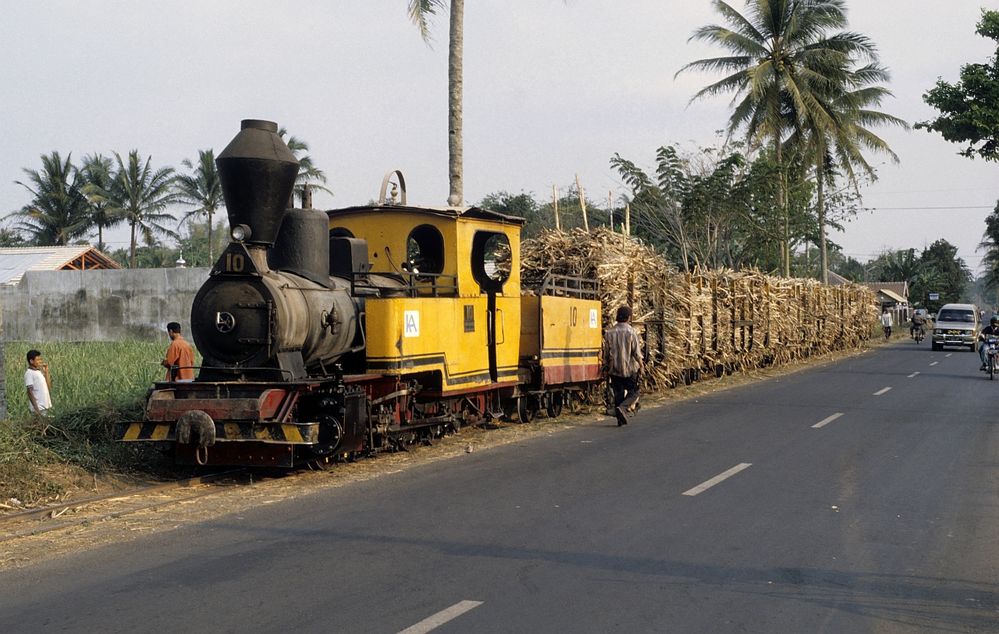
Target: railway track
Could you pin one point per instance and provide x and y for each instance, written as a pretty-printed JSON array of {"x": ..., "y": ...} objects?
[{"x": 105, "y": 507}]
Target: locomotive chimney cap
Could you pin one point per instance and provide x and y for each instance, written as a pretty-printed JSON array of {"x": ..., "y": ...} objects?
[{"x": 259, "y": 124}]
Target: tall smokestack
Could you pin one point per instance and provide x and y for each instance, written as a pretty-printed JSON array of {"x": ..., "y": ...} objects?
[{"x": 257, "y": 172}]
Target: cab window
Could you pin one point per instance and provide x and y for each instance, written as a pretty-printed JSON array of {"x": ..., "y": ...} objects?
[
  {"x": 425, "y": 250},
  {"x": 492, "y": 259}
]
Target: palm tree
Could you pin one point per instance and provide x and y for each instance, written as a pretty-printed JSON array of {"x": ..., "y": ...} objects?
[
  {"x": 782, "y": 57},
  {"x": 140, "y": 195},
  {"x": 202, "y": 189},
  {"x": 96, "y": 173},
  {"x": 57, "y": 213},
  {"x": 838, "y": 142},
  {"x": 420, "y": 12},
  {"x": 310, "y": 178}
]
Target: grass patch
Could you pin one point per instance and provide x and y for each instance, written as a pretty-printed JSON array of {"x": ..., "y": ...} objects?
[{"x": 95, "y": 386}]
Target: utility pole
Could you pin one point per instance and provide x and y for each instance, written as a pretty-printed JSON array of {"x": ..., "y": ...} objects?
[
  {"x": 610, "y": 208},
  {"x": 558, "y": 225},
  {"x": 582, "y": 204}
]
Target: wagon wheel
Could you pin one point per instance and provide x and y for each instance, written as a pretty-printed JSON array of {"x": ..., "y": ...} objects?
[
  {"x": 555, "y": 402},
  {"x": 527, "y": 407},
  {"x": 572, "y": 400},
  {"x": 510, "y": 407}
]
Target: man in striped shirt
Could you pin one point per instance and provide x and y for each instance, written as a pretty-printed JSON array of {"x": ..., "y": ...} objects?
[{"x": 624, "y": 363}]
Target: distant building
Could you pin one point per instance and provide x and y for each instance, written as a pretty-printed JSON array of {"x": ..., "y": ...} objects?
[
  {"x": 15, "y": 261},
  {"x": 891, "y": 295}
]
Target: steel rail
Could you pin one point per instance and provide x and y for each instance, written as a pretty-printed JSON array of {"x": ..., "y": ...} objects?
[{"x": 53, "y": 511}]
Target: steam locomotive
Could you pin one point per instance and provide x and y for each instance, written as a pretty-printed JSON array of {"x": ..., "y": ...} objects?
[{"x": 325, "y": 335}]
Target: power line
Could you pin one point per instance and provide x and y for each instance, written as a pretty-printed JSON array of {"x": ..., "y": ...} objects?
[{"x": 926, "y": 208}]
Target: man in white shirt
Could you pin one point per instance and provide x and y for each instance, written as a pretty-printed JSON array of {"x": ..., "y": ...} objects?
[
  {"x": 886, "y": 323},
  {"x": 36, "y": 379}
]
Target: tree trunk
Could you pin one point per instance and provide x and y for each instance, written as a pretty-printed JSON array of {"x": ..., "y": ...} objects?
[
  {"x": 785, "y": 248},
  {"x": 131, "y": 247},
  {"x": 100, "y": 237},
  {"x": 211, "y": 259},
  {"x": 821, "y": 208},
  {"x": 456, "y": 196}
]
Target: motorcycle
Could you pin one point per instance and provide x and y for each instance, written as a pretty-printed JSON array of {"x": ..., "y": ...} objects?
[
  {"x": 991, "y": 356},
  {"x": 918, "y": 334}
]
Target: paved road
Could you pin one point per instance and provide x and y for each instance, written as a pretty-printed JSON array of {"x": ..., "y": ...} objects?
[{"x": 857, "y": 497}]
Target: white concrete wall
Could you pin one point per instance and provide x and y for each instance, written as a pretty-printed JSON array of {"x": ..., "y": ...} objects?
[{"x": 99, "y": 305}]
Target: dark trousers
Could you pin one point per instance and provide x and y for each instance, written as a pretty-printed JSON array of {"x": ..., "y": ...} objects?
[{"x": 626, "y": 390}]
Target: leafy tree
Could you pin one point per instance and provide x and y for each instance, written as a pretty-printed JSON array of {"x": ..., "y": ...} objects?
[
  {"x": 97, "y": 173},
  {"x": 523, "y": 205},
  {"x": 57, "y": 213},
  {"x": 541, "y": 216},
  {"x": 193, "y": 244},
  {"x": 148, "y": 257},
  {"x": 990, "y": 245},
  {"x": 941, "y": 271},
  {"x": 202, "y": 189},
  {"x": 11, "y": 238},
  {"x": 716, "y": 207},
  {"x": 140, "y": 194},
  {"x": 782, "y": 59},
  {"x": 420, "y": 12},
  {"x": 848, "y": 267},
  {"x": 835, "y": 134},
  {"x": 969, "y": 109},
  {"x": 902, "y": 265}
]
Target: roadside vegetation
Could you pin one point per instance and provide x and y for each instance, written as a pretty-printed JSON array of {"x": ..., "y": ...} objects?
[{"x": 95, "y": 386}]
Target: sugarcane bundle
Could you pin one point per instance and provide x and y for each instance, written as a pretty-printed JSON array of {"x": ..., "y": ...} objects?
[{"x": 704, "y": 321}]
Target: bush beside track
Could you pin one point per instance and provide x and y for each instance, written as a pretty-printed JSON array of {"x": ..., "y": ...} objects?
[{"x": 94, "y": 386}]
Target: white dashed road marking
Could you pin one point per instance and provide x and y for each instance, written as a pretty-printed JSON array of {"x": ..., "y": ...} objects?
[
  {"x": 912, "y": 375},
  {"x": 948, "y": 354},
  {"x": 935, "y": 362},
  {"x": 881, "y": 391},
  {"x": 826, "y": 421},
  {"x": 442, "y": 617},
  {"x": 704, "y": 486}
]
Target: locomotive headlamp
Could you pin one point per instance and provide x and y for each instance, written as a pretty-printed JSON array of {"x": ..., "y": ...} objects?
[{"x": 240, "y": 233}]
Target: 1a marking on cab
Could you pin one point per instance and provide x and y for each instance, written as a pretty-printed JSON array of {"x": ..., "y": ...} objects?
[{"x": 411, "y": 323}]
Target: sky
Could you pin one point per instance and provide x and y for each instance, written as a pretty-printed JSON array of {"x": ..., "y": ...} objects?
[{"x": 552, "y": 89}]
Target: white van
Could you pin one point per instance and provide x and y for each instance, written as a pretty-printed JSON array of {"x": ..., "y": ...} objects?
[{"x": 956, "y": 325}]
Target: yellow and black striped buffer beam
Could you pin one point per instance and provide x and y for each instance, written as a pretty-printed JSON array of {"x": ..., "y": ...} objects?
[{"x": 284, "y": 433}]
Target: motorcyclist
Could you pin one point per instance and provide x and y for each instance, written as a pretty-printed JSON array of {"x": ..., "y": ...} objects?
[
  {"x": 992, "y": 330},
  {"x": 918, "y": 321}
]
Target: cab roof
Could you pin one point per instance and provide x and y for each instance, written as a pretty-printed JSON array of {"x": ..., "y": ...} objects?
[{"x": 475, "y": 213}]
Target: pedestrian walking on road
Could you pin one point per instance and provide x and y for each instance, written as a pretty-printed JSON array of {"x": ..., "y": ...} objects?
[
  {"x": 624, "y": 364},
  {"x": 886, "y": 323}
]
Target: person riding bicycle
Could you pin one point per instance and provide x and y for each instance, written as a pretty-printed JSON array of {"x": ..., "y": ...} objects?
[
  {"x": 918, "y": 322},
  {"x": 992, "y": 330}
]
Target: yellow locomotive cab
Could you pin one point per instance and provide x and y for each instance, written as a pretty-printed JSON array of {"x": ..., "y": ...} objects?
[{"x": 458, "y": 322}]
